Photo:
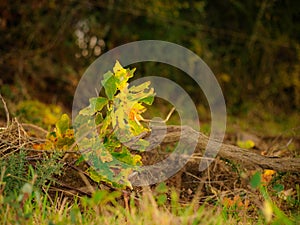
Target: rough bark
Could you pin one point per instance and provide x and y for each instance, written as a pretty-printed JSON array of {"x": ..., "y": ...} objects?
[{"x": 245, "y": 157}]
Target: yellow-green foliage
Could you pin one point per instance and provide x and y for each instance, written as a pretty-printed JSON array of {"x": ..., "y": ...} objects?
[
  {"x": 33, "y": 111},
  {"x": 118, "y": 116}
]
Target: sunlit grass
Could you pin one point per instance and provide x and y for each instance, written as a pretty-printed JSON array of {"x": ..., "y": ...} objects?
[
  {"x": 30, "y": 206},
  {"x": 103, "y": 208}
]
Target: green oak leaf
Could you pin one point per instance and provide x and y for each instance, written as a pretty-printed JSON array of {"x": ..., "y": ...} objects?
[
  {"x": 148, "y": 100},
  {"x": 255, "y": 180},
  {"x": 110, "y": 84},
  {"x": 98, "y": 103}
]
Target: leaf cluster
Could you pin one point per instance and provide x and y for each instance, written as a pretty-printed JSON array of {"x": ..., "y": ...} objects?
[{"x": 106, "y": 129}]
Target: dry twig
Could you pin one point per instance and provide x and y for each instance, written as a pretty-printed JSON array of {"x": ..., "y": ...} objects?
[{"x": 6, "y": 111}]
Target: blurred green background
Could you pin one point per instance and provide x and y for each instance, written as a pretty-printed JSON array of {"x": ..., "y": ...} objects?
[{"x": 251, "y": 46}]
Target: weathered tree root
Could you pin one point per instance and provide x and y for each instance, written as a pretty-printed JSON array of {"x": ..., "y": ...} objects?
[{"x": 244, "y": 157}]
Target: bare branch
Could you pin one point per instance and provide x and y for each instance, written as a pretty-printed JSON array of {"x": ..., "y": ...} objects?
[{"x": 6, "y": 111}]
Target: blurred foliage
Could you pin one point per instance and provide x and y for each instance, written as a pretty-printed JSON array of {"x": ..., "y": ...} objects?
[
  {"x": 44, "y": 115},
  {"x": 252, "y": 46}
]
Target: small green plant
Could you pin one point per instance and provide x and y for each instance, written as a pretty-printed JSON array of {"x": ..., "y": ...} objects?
[
  {"x": 13, "y": 168},
  {"x": 110, "y": 126},
  {"x": 16, "y": 171},
  {"x": 271, "y": 213},
  {"x": 62, "y": 138},
  {"x": 161, "y": 194}
]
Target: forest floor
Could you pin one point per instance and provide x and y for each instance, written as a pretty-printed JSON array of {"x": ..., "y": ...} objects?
[{"x": 227, "y": 189}]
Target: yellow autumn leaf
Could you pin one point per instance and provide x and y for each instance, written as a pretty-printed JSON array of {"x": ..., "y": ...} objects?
[
  {"x": 135, "y": 112},
  {"x": 269, "y": 172},
  {"x": 267, "y": 176},
  {"x": 267, "y": 210},
  {"x": 122, "y": 75},
  {"x": 118, "y": 68},
  {"x": 38, "y": 146},
  {"x": 246, "y": 144},
  {"x": 137, "y": 159}
]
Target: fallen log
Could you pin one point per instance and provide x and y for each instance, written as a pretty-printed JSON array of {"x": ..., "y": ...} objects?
[{"x": 242, "y": 156}]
